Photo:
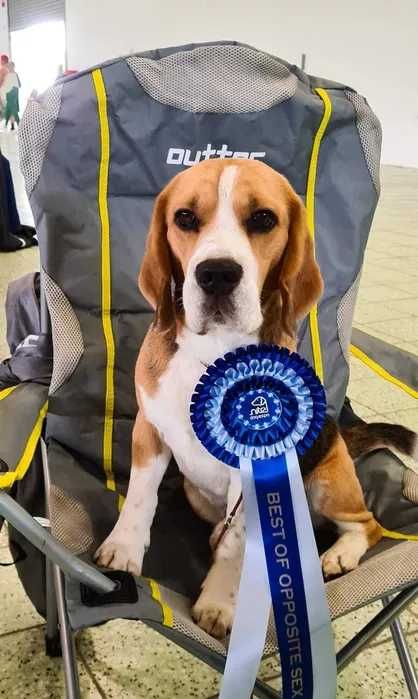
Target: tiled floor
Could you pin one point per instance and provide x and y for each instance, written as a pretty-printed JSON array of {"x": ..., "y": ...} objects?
[{"x": 124, "y": 659}]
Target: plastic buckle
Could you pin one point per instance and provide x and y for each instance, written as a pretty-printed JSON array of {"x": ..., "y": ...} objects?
[{"x": 125, "y": 592}]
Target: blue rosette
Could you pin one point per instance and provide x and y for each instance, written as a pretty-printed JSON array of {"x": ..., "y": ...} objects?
[
  {"x": 257, "y": 409},
  {"x": 258, "y": 402}
]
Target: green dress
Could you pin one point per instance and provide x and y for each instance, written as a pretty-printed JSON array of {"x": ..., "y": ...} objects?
[{"x": 12, "y": 105}]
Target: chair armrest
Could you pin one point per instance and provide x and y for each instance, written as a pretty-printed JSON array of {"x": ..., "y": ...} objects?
[
  {"x": 23, "y": 409},
  {"x": 391, "y": 363},
  {"x": 81, "y": 571}
]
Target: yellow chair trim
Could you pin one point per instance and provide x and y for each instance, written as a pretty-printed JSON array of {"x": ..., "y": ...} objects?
[
  {"x": 7, "y": 480},
  {"x": 310, "y": 208},
  {"x": 388, "y": 534},
  {"x": 380, "y": 371},
  {"x": 166, "y": 610},
  {"x": 101, "y": 97},
  {"x": 7, "y": 391}
]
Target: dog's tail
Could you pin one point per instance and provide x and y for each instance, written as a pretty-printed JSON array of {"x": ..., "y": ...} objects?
[{"x": 366, "y": 437}]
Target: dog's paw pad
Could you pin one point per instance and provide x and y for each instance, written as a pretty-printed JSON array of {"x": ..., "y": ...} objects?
[{"x": 213, "y": 617}]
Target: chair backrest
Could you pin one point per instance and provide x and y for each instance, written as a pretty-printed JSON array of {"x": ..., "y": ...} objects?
[{"x": 98, "y": 147}]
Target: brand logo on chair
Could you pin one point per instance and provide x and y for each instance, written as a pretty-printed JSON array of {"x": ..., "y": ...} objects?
[{"x": 189, "y": 157}]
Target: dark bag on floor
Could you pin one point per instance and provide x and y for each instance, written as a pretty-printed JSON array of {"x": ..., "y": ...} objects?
[{"x": 13, "y": 236}]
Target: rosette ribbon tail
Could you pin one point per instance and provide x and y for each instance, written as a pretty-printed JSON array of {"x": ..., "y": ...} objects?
[
  {"x": 256, "y": 409},
  {"x": 280, "y": 568},
  {"x": 252, "y": 612}
]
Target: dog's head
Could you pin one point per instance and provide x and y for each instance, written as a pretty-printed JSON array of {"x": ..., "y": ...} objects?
[{"x": 228, "y": 244}]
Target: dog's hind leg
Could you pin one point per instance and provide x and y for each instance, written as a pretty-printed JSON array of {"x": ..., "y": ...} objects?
[{"x": 334, "y": 492}]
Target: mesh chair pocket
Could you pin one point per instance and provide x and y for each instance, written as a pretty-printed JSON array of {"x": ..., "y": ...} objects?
[
  {"x": 370, "y": 133},
  {"x": 66, "y": 334},
  {"x": 35, "y": 133},
  {"x": 345, "y": 315}
]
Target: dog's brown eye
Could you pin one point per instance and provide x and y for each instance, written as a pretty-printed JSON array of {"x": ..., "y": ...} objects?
[
  {"x": 186, "y": 220},
  {"x": 261, "y": 221}
]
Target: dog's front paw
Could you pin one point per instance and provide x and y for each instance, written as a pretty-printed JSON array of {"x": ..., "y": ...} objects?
[
  {"x": 120, "y": 553},
  {"x": 343, "y": 556},
  {"x": 213, "y": 616}
]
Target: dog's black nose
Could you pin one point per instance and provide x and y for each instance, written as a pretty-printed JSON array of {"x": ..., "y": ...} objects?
[{"x": 218, "y": 277}]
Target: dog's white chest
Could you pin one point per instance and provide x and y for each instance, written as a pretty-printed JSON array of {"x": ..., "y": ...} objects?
[{"x": 169, "y": 409}]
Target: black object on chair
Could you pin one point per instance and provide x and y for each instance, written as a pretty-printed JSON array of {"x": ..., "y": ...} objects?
[{"x": 13, "y": 235}]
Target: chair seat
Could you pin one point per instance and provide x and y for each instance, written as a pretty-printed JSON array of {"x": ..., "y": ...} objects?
[{"x": 179, "y": 557}]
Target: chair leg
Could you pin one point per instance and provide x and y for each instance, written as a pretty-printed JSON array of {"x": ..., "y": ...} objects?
[
  {"x": 52, "y": 633},
  {"x": 404, "y": 655},
  {"x": 263, "y": 691},
  {"x": 375, "y": 626},
  {"x": 72, "y": 685},
  {"x": 69, "y": 659}
]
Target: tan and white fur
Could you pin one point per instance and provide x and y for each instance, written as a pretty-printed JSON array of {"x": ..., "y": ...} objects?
[{"x": 210, "y": 213}]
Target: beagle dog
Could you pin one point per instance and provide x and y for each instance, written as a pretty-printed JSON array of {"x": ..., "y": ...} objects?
[{"x": 228, "y": 262}]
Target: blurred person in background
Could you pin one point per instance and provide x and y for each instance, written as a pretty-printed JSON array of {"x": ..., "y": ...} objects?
[
  {"x": 10, "y": 89},
  {"x": 4, "y": 69}
]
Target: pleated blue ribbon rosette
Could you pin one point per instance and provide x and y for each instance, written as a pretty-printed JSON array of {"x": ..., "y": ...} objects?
[{"x": 256, "y": 409}]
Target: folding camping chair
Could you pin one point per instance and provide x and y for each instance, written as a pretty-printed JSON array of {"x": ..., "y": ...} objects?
[{"x": 95, "y": 151}]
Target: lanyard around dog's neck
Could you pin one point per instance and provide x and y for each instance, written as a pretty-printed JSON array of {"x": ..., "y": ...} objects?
[{"x": 228, "y": 522}]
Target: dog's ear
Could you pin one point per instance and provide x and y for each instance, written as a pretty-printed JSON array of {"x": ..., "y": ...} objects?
[
  {"x": 295, "y": 283},
  {"x": 156, "y": 270},
  {"x": 300, "y": 280}
]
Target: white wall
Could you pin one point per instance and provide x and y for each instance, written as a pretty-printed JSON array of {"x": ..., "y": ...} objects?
[
  {"x": 370, "y": 45},
  {"x": 4, "y": 29}
]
